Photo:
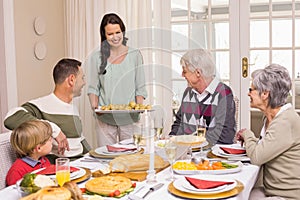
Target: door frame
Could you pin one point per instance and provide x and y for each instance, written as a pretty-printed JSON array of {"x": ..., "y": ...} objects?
[{"x": 239, "y": 48}]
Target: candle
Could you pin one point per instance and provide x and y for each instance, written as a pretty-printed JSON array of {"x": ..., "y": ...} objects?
[
  {"x": 151, "y": 152},
  {"x": 150, "y": 141}
]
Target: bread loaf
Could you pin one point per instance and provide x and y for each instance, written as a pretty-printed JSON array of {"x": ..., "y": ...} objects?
[
  {"x": 50, "y": 193},
  {"x": 135, "y": 162},
  {"x": 76, "y": 193}
]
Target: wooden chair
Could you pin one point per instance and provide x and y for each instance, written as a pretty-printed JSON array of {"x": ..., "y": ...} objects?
[
  {"x": 7, "y": 157},
  {"x": 237, "y": 126}
]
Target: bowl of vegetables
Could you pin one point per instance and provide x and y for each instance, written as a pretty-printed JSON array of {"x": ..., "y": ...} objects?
[{"x": 31, "y": 183}]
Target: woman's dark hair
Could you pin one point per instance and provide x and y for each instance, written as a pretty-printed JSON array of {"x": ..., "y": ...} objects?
[{"x": 110, "y": 18}]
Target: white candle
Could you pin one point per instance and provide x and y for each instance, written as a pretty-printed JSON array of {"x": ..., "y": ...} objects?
[
  {"x": 151, "y": 152},
  {"x": 150, "y": 141}
]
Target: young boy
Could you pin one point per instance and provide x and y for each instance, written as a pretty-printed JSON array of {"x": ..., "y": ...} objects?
[{"x": 32, "y": 140}]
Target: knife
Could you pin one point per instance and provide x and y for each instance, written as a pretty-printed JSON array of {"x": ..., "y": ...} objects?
[{"x": 156, "y": 187}]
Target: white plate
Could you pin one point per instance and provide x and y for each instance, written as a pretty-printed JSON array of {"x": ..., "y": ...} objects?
[
  {"x": 74, "y": 175},
  {"x": 217, "y": 171},
  {"x": 205, "y": 143},
  {"x": 103, "y": 151},
  {"x": 120, "y": 111},
  {"x": 219, "y": 152},
  {"x": 181, "y": 183}
]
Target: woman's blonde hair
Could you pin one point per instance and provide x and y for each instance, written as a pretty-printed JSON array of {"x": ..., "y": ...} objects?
[{"x": 28, "y": 135}]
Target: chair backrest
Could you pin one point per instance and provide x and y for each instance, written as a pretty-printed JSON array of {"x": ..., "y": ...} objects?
[
  {"x": 236, "y": 101},
  {"x": 7, "y": 157},
  {"x": 237, "y": 126}
]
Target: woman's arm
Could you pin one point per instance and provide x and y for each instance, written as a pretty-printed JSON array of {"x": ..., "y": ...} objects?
[{"x": 94, "y": 99}]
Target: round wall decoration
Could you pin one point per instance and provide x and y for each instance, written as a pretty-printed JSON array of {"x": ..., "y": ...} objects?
[
  {"x": 39, "y": 25},
  {"x": 40, "y": 50}
]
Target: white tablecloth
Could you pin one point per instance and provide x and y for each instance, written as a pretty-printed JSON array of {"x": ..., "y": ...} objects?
[{"x": 247, "y": 176}]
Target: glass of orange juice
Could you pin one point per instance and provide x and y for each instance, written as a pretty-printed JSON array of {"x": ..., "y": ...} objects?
[{"x": 62, "y": 170}]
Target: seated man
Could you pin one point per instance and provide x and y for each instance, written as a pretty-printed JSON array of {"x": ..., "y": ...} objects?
[
  {"x": 207, "y": 102},
  {"x": 58, "y": 109}
]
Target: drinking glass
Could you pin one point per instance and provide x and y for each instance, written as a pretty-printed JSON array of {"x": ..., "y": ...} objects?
[
  {"x": 62, "y": 170},
  {"x": 170, "y": 149}
]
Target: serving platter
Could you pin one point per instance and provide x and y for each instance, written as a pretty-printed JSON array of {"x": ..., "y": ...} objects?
[
  {"x": 236, "y": 190},
  {"x": 216, "y": 171},
  {"x": 100, "y": 111}
]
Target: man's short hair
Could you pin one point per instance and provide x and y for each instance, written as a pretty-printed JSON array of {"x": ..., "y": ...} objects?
[{"x": 64, "y": 68}]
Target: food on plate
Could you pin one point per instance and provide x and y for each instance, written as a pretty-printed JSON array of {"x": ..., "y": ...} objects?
[
  {"x": 188, "y": 139},
  {"x": 203, "y": 165},
  {"x": 131, "y": 106},
  {"x": 34, "y": 182},
  {"x": 135, "y": 162},
  {"x": 113, "y": 186},
  {"x": 182, "y": 165},
  {"x": 50, "y": 193},
  {"x": 76, "y": 193}
]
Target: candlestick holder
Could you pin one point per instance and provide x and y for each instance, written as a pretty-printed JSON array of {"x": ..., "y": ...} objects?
[{"x": 151, "y": 177}]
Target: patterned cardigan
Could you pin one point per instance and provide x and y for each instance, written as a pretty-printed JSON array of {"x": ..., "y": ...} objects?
[{"x": 217, "y": 109}]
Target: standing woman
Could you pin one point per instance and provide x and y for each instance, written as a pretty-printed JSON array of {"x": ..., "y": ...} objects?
[
  {"x": 278, "y": 150},
  {"x": 115, "y": 76}
]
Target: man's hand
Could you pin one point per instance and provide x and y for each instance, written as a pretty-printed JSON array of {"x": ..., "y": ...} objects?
[{"x": 62, "y": 142}]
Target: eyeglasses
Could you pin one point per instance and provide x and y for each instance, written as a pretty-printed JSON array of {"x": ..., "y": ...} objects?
[{"x": 251, "y": 89}]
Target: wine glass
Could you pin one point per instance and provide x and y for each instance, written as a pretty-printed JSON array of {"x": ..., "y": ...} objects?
[
  {"x": 158, "y": 132},
  {"x": 201, "y": 131},
  {"x": 62, "y": 170},
  {"x": 137, "y": 136},
  {"x": 170, "y": 149}
]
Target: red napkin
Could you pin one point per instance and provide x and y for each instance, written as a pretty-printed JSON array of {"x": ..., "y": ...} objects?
[
  {"x": 205, "y": 184},
  {"x": 118, "y": 149},
  {"x": 51, "y": 170},
  {"x": 233, "y": 151}
]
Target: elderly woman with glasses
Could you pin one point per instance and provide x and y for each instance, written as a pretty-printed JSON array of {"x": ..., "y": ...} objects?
[
  {"x": 277, "y": 151},
  {"x": 206, "y": 102}
]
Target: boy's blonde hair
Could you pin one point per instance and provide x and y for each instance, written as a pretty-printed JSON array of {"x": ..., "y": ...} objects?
[{"x": 28, "y": 135}]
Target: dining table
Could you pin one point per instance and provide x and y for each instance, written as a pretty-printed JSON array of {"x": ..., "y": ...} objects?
[{"x": 247, "y": 176}]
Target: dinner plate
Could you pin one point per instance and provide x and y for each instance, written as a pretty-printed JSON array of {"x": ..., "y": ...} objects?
[
  {"x": 183, "y": 185},
  {"x": 216, "y": 150},
  {"x": 216, "y": 171},
  {"x": 74, "y": 175},
  {"x": 109, "y": 156},
  {"x": 189, "y": 140},
  {"x": 85, "y": 177},
  {"x": 198, "y": 146},
  {"x": 186, "y": 195},
  {"x": 103, "y": 151},
  {"x": 100, "y": 111}
]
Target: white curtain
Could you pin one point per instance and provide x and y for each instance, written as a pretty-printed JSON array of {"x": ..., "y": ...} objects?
[{"x": 82, "y": 19}]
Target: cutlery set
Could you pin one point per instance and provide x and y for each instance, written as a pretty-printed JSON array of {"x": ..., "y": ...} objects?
[{"x": 151, "y": 189}]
